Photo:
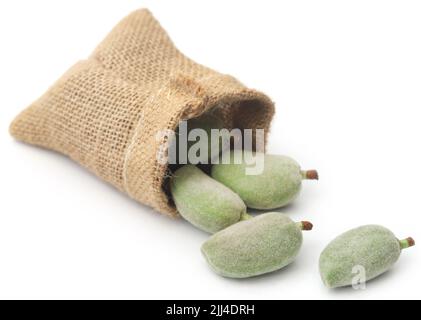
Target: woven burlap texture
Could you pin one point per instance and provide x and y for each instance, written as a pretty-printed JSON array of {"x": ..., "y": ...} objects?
[{"x": 105, "y": 112}]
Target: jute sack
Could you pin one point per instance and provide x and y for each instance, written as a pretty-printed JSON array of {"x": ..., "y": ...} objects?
[{"x": 105, "y": 112}]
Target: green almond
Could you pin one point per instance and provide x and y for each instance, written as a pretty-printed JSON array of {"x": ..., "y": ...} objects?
[
  {"x": 256, "y": 246},
  {"x": 204, "y": 202},
  {"x": 276, "y": 186},
  {"x": 360, "y": 254}
]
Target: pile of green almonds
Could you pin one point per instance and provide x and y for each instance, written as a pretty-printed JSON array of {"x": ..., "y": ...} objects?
[{"x": 244, "y": 246}]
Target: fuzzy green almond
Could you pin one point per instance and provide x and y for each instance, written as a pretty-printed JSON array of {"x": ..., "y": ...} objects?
[
  {"x": 263, "y": 244},
  {"x": 278, "y": 185},
  {"x": 204, "y": 202},
  {"x": 372, "y": 247}
]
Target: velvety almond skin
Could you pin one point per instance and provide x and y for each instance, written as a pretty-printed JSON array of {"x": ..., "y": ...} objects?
[
  {"x": 372, "y": 247},
  {"x": 277, "y": 186},
  {"x": 204, "y": 202},
  {"x": 253, "y": 247}
]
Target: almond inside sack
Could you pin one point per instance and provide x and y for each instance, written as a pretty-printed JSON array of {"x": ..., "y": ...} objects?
[{"x": 106, "y": 111}]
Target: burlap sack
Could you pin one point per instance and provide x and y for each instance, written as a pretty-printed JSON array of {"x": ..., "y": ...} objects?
[{"x": 105, "y": 111}]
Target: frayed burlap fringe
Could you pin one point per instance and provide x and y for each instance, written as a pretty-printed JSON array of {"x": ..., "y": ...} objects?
[{"x": 105, "y": 111}]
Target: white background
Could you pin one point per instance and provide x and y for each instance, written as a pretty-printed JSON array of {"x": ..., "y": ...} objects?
[{"x": 346, "y": 79}]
